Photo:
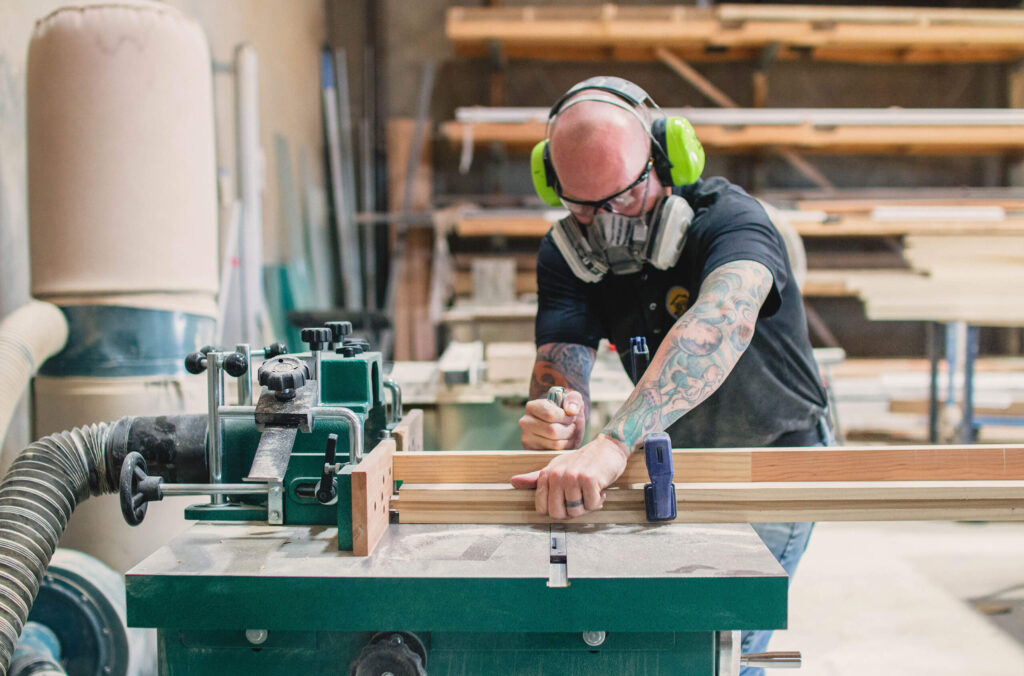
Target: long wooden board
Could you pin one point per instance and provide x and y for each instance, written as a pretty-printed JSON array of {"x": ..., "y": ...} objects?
[
  {"x": 732, "y": 502},
  {"x": 841, "y": 463},
  {"x": 373, "y": 484},
  {"x": 735, "y": 32},
  {"x": 909, "y": 139}
]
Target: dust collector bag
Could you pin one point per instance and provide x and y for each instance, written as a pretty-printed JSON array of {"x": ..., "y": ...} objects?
[{"x": 121, "y": 160}]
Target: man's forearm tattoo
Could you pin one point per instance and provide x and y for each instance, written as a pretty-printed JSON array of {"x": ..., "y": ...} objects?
[
  {"x": 698, "y": 352},
  {"x": 564, "y": 364}
]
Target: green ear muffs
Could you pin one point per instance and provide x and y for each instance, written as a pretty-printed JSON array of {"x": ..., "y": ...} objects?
[
  {"x": 543, "y": 173},
  {"x": 678, "y": 155}
]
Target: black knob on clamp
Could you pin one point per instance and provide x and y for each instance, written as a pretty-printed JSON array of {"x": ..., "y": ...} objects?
[
  {"x": 137, "y": 488},
  {"x": 325, "y": 490},
  {"x": 236, "y": 364},
  {"x": 283, "y": 376},
  {"x": 338, "y": 331},
  {"x": 358, "y": 345},
  {"x": 195, "y": 363},
  {"x": 316, "y": 338},
  {"x": 274, "y": 350}
]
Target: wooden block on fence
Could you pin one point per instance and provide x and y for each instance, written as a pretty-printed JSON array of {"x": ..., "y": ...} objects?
[
  {"x": 373, "y": 484},
  {"x": 408, "y": 433}
]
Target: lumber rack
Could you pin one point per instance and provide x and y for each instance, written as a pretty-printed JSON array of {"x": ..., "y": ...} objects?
[{"x": 740, "y": 32}]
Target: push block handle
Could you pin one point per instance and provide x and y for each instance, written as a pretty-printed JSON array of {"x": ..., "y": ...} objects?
[{"x": 660, "y": 494}]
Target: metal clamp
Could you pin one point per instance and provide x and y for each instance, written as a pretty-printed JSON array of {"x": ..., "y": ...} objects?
[{"x": 396, "y": 400}]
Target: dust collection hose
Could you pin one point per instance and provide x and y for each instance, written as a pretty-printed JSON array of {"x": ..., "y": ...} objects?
[
  {"x": 42, "y": 488},
  {"x": 28, "y": 337},
  {"x": 49, "y": 478}
]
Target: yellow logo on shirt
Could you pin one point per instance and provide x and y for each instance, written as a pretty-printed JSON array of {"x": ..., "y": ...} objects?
[{"x": 677, "y": 300}]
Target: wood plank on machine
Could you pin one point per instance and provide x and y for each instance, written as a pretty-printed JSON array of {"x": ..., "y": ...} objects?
[
  {"x": 738, "y": 502},
  {"x": 741, "y": 502},
  {"x": 840, "y": 463}
]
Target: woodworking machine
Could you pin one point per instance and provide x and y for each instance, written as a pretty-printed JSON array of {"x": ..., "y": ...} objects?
[{"x": 300, "y": 564}]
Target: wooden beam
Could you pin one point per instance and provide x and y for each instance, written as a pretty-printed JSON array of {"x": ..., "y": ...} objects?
[
  {"x": 839, "y": 463},
  {"x": 888, "y": 139},
  {"x": 373, "y": 484},
  {"x": 526, "y": 224},
  {"x": 731, "y": 503},
  {"x": 731, "y": 32},
  {"x": 701, "y": 83}
]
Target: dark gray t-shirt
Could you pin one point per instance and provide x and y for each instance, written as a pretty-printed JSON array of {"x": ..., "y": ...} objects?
[{"x": 775, "y": 387}]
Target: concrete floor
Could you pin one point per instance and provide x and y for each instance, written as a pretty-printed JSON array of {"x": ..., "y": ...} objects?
[{"x": 908, "y": 598}]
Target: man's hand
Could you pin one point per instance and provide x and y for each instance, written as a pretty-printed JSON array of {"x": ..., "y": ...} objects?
[
  {"x": 573, "y": 483},
  {"x": 547, "y": 427}
]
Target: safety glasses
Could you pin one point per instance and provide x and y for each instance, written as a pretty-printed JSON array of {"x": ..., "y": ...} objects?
[{"x": 627, "y": 202}]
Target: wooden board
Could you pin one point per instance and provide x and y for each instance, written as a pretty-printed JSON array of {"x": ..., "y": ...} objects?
[
  {"x": 481, "y": 225},
  {"x": 373, "y": 484},
  {"x": 728, "y": 32},
  {"x": 839, "y": 463},
  {"x": 888, "y": 139},
  {"x": 408, "y": 433},
  {"x": 1013, "y": 409},
  {"x": 731, "y": 503}
]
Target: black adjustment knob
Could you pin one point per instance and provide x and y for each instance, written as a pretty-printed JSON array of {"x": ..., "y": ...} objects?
[
  {"x": 137, "y": 488},
  {"x": 207, "y": 349},
  {"x": 357, "y": 344},
  {"x": 195, "y": 363},
  {"x": 236, "y": 364},
  {"x": 274, "y": 350},
  {"x": 283, "y": 376},
  {"x": 316, "y": 338},
  {"x": 326, "y": 491},
  {"x": 346, "y": 351},
  {"x": 338, "y": 330}
]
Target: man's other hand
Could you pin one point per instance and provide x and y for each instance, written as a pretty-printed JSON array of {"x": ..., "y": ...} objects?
[
  {"x": 573, "y": 483},
  {"x": 548, "y": 427}
]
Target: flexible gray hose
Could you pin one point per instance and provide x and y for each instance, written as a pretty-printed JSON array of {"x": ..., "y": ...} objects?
[
  {"x": 28, "y": 336},
  {"x": 41, "y": 490}
]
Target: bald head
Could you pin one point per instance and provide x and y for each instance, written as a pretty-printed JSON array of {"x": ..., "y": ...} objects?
[{"x": 597, "y": 147}]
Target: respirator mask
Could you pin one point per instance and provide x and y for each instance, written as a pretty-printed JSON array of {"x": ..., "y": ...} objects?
[{"x": 623, "y": 244}]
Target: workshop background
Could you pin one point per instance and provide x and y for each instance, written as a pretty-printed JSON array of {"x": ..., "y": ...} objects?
[{"x": 390, "y": 199}]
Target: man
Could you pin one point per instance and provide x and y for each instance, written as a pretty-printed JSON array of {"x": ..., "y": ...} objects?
[{"x": 697, "y": 268}]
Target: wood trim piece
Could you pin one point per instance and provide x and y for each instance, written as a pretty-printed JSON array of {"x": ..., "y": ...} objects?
[
  {"x": 408, "y": 433},
  {"x": 839, "y": 463},
  {"x": 373, "y": 484},
  {"x": 732, "y": 503}
]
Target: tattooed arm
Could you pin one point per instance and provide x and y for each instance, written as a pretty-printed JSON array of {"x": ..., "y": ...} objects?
[
  {"x": 544, "y": 425},
  {"x": 562, "y": 364},
  {"x": 691, "y": 363},
  {"x": 698, "y": 353}
]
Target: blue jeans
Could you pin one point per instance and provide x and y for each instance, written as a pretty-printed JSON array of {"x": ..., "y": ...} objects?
[{"x": 786, "y": 542}]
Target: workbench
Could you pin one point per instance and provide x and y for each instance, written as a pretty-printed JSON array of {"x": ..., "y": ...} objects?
[{"x": 256, "y": 599}]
